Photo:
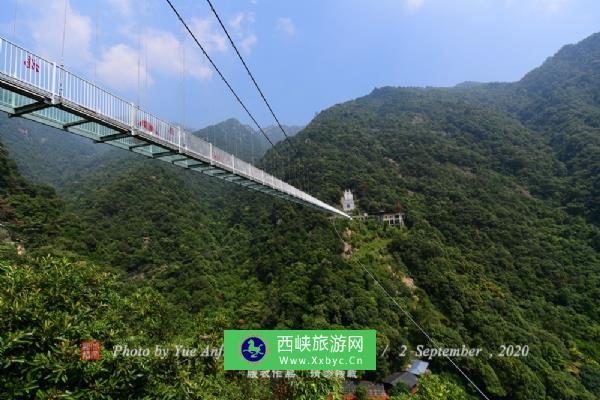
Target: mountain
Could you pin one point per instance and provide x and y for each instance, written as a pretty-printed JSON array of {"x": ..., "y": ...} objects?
[
  {"x": 276, "y": 135},
  {"x": 563, "y": 96},
  {"x": 559, "y": 101},
  {"x": 53, "y": 299},
  {"x": 469, "y": 84},
  {"x": 242, "y": 140},
  {"x": 499, "y": 183},
  {"x": 10, "y": 179},
  {"x": 64, "y": 161},
  {"x": 29, "y": 213},
  {"x": 152, "y": 257},
  {"x": 501, "y": 248},
  {"x": 50, "y": 156}
]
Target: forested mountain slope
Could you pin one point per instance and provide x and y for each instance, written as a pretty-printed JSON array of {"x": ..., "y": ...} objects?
[
  {"x": 564, "y": 104},
  {"x": 501, "y": 245},
  {"x": 53, "y": 295},
  {"x": 194, "y": 263},
  {"x": 50, "y": 156},
  {"x": 66, "y": 161},
  {"x": 496, "y": 232},
  {"x": 560, "y": 101},
  {"x": 29, "y": 213}
]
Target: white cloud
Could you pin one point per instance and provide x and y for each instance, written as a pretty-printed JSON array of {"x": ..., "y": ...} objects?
[
  {"x": 164, "y": 55},
  {"x": 45, "y": 25},
  {"x": 161, "y": 52},
  {"x": 247, "y": 42},
  {"x": 286, "y": 25},
  {"x": 239, "y": 24},
  {"x": 210, "y": 38},
  {"x": 414, "y": 4},
  {"x": 239, "y": 18},
  {"x": 118, "y": 67},
  {"x": 123, "y": 7}
]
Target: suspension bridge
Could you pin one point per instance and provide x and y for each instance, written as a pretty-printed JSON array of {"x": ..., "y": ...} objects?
[{"x": 35, "y": 88}]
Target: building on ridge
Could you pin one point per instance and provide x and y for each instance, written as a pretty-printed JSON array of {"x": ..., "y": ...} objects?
[{"x": 347, "y": 201}]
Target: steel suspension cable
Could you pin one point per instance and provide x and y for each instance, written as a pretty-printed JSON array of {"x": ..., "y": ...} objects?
[
  {"x": 218, "y": 71},
  {"x": 139, "y": 66},
  {"x": 145, "y": 94},
  {"x": 247, "y": 69},
  {"x": 14, "y": 32},
  {"x": 250, "y": 74},
  {"x": 64, "y": 35},
  {"x": 183, "y": 104},
  {"x": 97, "y": 4}
]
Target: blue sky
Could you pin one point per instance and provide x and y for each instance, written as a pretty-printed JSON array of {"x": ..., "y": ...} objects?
[{"x": 307, "y": 55}]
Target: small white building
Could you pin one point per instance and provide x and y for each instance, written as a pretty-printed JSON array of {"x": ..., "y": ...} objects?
[
  {"x": 391, "y": 218},
  {"x": 348, "y": 201}
]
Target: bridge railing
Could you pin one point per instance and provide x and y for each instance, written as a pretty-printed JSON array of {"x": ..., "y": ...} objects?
[
  {"x": 25, "y": 66},
  {"x": 58, "y": 84},
  {"x": 242, "y": 167},
  {"x": 196, "y": 145},
  {"x": 152, "y": 125},
  {"x": 222, "y": 158},
  {"x": 90, "y": 97}
]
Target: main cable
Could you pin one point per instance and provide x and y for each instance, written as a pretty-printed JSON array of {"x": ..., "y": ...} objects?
[
  {"x": 262, "y": 95},
  {"x": 411, "y": 319},
  {"x": 64, "y": 35},
  {"x": 247, "y": 69},
  {"x": 14, "y": 32},
  {"x": 218, "y": 71}
]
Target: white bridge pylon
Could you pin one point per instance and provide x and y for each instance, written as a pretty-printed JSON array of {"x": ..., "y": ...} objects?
[{"x": 37, "y": 89}]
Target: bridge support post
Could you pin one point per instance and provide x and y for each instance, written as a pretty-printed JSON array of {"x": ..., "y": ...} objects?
[
  {"x": 53, "y": 87},
  {"x": 132, "y": 117},
  {"x": 179, "y": 138}
]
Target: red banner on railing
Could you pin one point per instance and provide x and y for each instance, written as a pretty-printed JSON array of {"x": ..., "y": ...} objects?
[
  {"x": 146, "y": 125},
  {"x": 31, "y": 63}
]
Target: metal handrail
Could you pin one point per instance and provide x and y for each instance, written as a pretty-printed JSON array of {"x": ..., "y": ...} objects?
[{"x": 58, "y": 84}]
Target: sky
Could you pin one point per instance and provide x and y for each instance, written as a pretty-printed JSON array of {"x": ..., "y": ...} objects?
[{"x": 306, "y": 55}]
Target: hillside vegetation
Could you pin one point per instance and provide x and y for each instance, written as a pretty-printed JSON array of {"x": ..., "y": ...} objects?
[{"x": 499, "y": 184}]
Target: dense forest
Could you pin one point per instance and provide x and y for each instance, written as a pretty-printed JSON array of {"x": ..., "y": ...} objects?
[{"x": 500, "y": 188}]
